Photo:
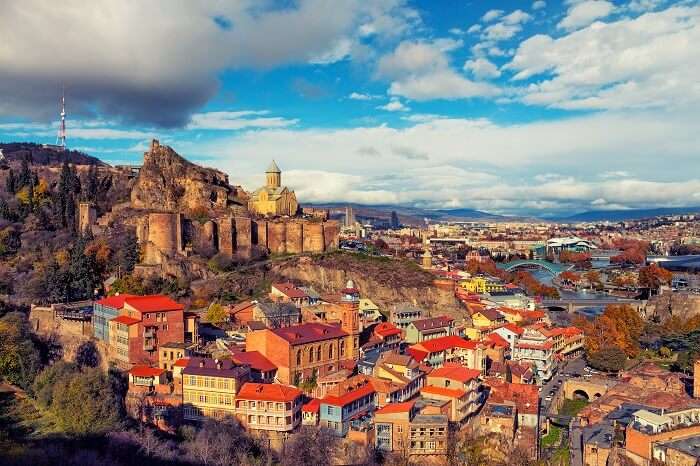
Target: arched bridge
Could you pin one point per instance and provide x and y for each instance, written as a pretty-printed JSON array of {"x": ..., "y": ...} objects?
[
  {"x": 572, "y": 304},
  {"x": 551, "y": 267}
]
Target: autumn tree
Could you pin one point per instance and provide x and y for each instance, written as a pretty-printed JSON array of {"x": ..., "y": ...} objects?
[
  {"x": 19, "y": 356},
  {"x": 216, "y": 314},
  {"x": 653, "y": 277},
  {"x": 618, "y": 326},
  {"x": 311, "y": 445}
]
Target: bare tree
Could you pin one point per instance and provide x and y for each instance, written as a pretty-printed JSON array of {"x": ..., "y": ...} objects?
[{"x": 311, "y": 446}]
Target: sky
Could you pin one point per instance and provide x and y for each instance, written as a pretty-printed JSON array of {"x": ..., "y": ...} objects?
[{"x": 526, "y": 107}]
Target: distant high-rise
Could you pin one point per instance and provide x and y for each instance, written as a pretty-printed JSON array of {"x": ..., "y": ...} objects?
[
  {"x": 394, "y": 219},
  {"x": 349, "y": 216}
]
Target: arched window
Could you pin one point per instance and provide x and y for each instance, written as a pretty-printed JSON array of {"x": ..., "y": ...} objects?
[
  {"x": 330, "y": 351},
  {"x": 342, "y": 347},
  {"x": 311, "y": 354},
  {"x": 318, "y": 353},
  {"x": 298, "y": 357}
]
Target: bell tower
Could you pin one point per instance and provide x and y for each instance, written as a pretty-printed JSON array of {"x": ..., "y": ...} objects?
[
  {"x": 274, "y": 176},
  {"x": 350, "y": 319}
]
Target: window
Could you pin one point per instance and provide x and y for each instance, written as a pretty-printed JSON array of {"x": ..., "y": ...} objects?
[
  {"x": 330, "y": 351},
  {"x": 342, "y": 347},
  {"x": 318, "y": 353},
  {"x": 252, "y": 404},
  {"x": 298, "y": 357}
]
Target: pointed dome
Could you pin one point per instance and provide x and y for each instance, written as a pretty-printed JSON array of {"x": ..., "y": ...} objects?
[{"x": 273, "y": 168}]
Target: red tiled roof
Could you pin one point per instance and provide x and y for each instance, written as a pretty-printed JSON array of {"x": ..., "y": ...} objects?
[
  {"x": 306, "y": 333},
  {"x": 256, "y": 361},
  {"x": 443, "y": 343},
  {"x": 386, "y": 329},
  {"x": 125, "y": 320},
  {"x": 433, "y": 323},
  {"x": 145, "y": 371},
  {"x": 417, "y": 354},
  {"x": 268, "y": 392},
  {"x": 115, "y": 302},
  {"x": 312, "y": 406},
  {"x": 490, "y": 314},
  {"x": 525, "y": 396},
  {"x": 241, "y": 306},
  {"x": 182, "y": 362},
  {"x": 514, "y": 328},
  {"x": 393, "y": 408},
  {"x": 290, "y": 290},
  {"x": 496, "y": 339},
  {"x": 454, "y": 371},
  {"x": 350, "y": 396},
  {"x": 451, "y": 392},
  {"x": 153, "y": 303}
]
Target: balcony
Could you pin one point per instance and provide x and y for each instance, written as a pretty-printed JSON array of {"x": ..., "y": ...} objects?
[
  {"x": 149, "y": 344},
  {"x": 149, "y": 332}
]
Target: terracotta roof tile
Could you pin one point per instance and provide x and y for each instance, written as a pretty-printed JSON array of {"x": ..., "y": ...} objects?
[
  {"x": 306, "y": 333},
  {"x": 153, "y": 303},
  {"x": 146, "y": 371},
  {"x": 451, "y": 392},
  {"x": 268, "y": 392},
  {"x": 126, "y": 320},
  {"x": 393, "y": 408}
]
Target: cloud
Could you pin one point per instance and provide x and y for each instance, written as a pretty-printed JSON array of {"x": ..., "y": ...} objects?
[
  {"x": 491, "y": 15},
  {"x": 473, "y": 29},
  {"x": 421, "y": 72},
  {"x": 516, "y": 17},
  {"x": 538, "y": 4},
  {"x": 362, "y": 96},
  {"x": 477, "y": 163},
  {"x": 615, "y": 174},
  {"x": 639, "y": 6},
  {"x": 394, "y": 105},
  {"x": 308, "y": 89},
  {"x": 583, "y": 13},
  {"x": 158, "y": 63},
  {"x": 500, "y": 31},
  {"x": 645, "y": 62},
  {"x": 237, "y": 120},
  {"x": 482, "y": 68}
]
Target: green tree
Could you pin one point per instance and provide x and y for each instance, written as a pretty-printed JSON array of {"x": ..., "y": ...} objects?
[
  {"x": 19, "y": 357},
  {"x": 84, "y": 403},
  {"x": 91, "y": 184},
  {"x": 46, "y": 380},
  {"x": 610, "y": 359},
  {"x": 11, "y": 182},
  {"x": 25, "y": 175},
  {"x": 128, "y": 253},
  {"x": 216, "y": 314}
]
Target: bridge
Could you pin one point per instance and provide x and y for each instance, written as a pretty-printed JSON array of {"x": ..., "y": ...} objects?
[
  {"x": 551, "y": 267},
  {"x": 572, "y": 304}
]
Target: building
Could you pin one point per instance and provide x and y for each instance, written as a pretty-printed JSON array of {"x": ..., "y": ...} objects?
[
  {"x": 458, "y": 385},
  {"x": 481, "y": 284},
  {"x": 402, "y": 370},
  {"x": 301, "y": 352},
  {"x": 650, "y": 431},
  {"x": 261, "y": 369},
  {"x": 403, "y": 314},
  {"x": 269, "y": 407},
  {"x": 288, "y": 293},
  {"x": 103, "y": 311},
  {"x": 210, "y": 386},
  {"x": 276, "y": 315},
  {"x": 273, "y": 199},
  {"x": 369, "y": 312},
  {"x": 428, "y": 329},
  {"x": 122, "y": 330},
  {"x": 537, "y": 349},
  {"x": 345, "y": 402},
  {"x": 388, "y": 336},
  {"x": 510, "y": 333},
  {"x": 401, "y": 428},
  {"x": 170, "y": 353},
  {"x": 437, "y": 352},
  {"x": 151, "y": 399}
]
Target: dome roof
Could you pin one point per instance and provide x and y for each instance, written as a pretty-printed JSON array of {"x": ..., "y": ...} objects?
[{"x": 273, "y": 168}]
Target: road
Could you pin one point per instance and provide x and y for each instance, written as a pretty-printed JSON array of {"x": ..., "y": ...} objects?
[{"x": 576, "y": 444}]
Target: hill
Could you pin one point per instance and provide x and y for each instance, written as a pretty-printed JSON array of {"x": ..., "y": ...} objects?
[
  {"x": 36, "y": 154},
  {"x": 630, "y": 214}
]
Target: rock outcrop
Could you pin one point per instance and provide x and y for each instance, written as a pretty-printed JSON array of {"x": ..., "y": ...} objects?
[{"x": 168, "y": 182}]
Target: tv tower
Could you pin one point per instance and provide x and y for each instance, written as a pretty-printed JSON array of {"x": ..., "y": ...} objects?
[{"x": 61, "y": 138}]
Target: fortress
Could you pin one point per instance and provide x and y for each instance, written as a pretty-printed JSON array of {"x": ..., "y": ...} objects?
[{"x": 180, "y": 210}]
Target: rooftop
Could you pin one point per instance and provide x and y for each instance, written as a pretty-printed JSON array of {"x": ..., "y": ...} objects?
[
  {"x": 146, "y": 371},
  {"x": 214, "y": 368},
  {"x": 268, "y": 392},
  {"x": 255, "y": 360},
  {"x": 455, "y": 372},
  {"x": 153, "y": 303},
  {"x": 432, "y": 323},
  {"x": 307, "y": 333}
]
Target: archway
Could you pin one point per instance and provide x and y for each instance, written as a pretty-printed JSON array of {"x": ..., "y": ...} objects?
[
  {"x": 581, "y": 395},
  {"x": 597, "y": 395}
]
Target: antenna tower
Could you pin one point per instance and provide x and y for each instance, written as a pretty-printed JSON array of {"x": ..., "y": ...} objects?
[{"x": 61, "y": 138}]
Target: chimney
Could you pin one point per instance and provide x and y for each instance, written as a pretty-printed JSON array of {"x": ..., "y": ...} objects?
[
  {"x": 218, "y": 364},
  {"x": 201, "y": 363}
]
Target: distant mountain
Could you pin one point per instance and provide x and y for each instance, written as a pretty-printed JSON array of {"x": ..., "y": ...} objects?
[
  {"x": 630, "y": 214},
  {"x": 40, "y": 155}
]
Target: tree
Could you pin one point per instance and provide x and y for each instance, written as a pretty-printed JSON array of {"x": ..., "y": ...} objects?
[
  {"x": 216, "y": 314},
  {"x": 84, "y": 403},
  {"x": 19, "y": 357},
  {"x": 87, "y": 355},
  {"x": 653, "y": 277},
  {"x": 44, "y": 382},
  {"x": 11, "y": 182},
  {"x": 311, "y": 445},
  {"x": 594, "y": 279},
  {"x": 610, "y": 359},
  {"x": 128, "y": 251},
  {"x": 219, "y": 443},
  {"x": 618, "y": 326}
]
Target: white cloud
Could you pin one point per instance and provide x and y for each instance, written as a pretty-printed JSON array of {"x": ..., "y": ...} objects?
[
  {"x": 648, "y": 61},
  {"x": 394, "y": 105},
  {"x": 584, "y": 13},
  {"x": 539, "y": 4},
  {"x": 500, "y": 31},
  {"x": 516, "y": 17},
  {"x": 615, "y": 174},
  {"x": 362, "y": 96},
  {"x": 491, "y": 15},
  {"x": 474, "y": 28},
  {"x": 482, "y": 68},
  {"x": 638, "y": 6},
  {"x": 456, "y": 31},
  {"x": 237, "y": 120}
]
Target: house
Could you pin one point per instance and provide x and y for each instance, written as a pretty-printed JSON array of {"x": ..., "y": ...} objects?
[
  {"x": 403, "y": 314},
  {"x": 427, "y": 329},
  {"x": 242, "y": 313},
  {"x": 388, "y": 335},
  {"x": 401, "y": 427},
  {"x": 310, "y": 412},
  {"x": 510, "y": 333},
  {"x": 481, "y": 284},
  {"x": 302, "y": 352},
  {"x": 288, "y": 293},
  {"x": 261, "y": 369},
  {"x": 535, "y": 348},
  {"x": 269, "y": 407},
  {"x": 369, "y": 312},
  {"x": 103, "y": 311},
  {"x": 487, "y": 318},
  {"x": 401, "y": 369},
  {"x": 151, "y": 399},
  {"x": 276, "y": 315},
  {"x": 169, "y": 353},
  {"x": 435, "y": 353},
  {"x": 457, "y": 384},
  {"x": 210, "y": 387},
  {"x": 350, "y": 399}
]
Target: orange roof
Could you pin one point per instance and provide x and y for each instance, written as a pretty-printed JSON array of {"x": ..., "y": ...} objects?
[
  {"x": 496, "y": 339},
  {"x": 386, "y": 329},
  {"x": 393, "y": 408},
  {"x": 417, "y": 354},
  {"x": 268, "y": 392},
  {"x": 451, "y": 392},
  {"x": 182, "y": 362},
  {"x": 514, "y": 328},
  {"x": 349, "y": 397},
  {"x": 455, "y": 371},
  {"x": 289, "y": 289},
  {"x": 153, "y": 303},
  {"x": 125, "y": 320},
  {"x": 443, "y": 343},
  {"x": 146, "y": 371},
  {"x": 312, "y": 406},
  {"x": 256, "y": 360},
  {"x": 115, "y": 302}
]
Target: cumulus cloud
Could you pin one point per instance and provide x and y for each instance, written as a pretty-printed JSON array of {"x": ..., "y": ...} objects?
[
  {"x": 394, "y": 105},
  {"x": 538, "y": 4},
  {"x": 491, "y": 15},
  {"x": 474, "y": 28},
  {"x": 646, "y": 62},
  {"x": 482, "y": 68},
  {"x": 583, "y": 13},
  {"x": 237, "y": 120},
  {"x": 159, "y": 62}
]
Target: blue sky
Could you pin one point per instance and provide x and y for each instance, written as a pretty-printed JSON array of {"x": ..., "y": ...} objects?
[{"x": 516, "y": 107}]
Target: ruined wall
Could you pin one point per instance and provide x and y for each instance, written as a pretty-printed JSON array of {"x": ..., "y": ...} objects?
[
  {"x": 276, "y": 237},
  {"x": 244, "y": 240},
  {"x": 227, "y": 234},
  {"x": 165, "y": 231},
  {"x": 294, "y": 238},
  {"x": 313, "y": 237},
  {"x": 331, "y": 230},
  {"x": 260, "y": 232},
  {"x": 87, "y": 216}
]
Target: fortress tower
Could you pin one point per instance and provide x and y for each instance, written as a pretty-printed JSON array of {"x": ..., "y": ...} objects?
[
  {"x": 696, "y": 379},
  {"x": 350, "y": 320}
]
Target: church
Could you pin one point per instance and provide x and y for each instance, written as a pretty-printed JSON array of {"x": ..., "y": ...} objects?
[{"x": 273, "y": 199}]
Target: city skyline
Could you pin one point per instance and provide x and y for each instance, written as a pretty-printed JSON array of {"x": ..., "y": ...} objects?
[{"x": 529, "y": 108}]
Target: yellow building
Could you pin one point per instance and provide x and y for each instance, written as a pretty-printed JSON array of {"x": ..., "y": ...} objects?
[
  {"x": 273, "y": 198},
  {"x": 209, "y": 388},
  {"x": 480, "y": 285}
]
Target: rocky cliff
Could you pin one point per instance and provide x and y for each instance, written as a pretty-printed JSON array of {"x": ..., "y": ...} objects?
[{"x": 168, "y": 182}]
